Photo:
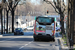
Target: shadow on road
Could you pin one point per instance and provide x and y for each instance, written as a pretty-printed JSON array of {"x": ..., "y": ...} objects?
[
  {"x": 28, "y": 33},
  {"x": 16, "y": 39},
  {"x": 17, "y": 48}
]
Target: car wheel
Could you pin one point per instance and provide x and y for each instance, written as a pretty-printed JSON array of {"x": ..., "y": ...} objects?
[
  {"x": 15, "y": 34},
  {"x": 22, "y": 33},
  {"x": 32, "y": 29}
]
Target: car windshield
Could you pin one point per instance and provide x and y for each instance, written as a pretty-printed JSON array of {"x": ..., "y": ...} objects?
[
  {"x": 18, "y": 29},
  {"x": 31, "y": 26},
  {"x": 44, "y": 20},
  {"x": 58, "y": 24}
]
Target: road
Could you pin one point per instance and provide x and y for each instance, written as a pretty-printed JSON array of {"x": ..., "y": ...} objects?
[{"x": 26, "y": 42}]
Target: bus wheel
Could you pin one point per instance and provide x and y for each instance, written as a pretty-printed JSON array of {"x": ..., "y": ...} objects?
[
  {"x": 53, "y": 39},
  {"x": 35, "y": 39}
]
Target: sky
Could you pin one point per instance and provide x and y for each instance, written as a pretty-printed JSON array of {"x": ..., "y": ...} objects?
[{"x": 37, "y": 1}]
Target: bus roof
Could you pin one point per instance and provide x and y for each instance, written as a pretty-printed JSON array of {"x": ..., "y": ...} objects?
[
  {"x": 44, "y": 16},
  {"x": 54, "y": 16}
]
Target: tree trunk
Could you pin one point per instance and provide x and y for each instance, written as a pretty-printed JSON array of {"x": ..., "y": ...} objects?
[
  {"x": 12, "y": 21},
  {"x": 7, "y": 22},
  {"x": 67, "y": 29},
  {"x": 71, "y": 23},
  {"x": 62, "y": 24},
  {"x": 1, "y": 22},
  {"x": 73, "y": 27},
  {"x": 4, "y": 21}
]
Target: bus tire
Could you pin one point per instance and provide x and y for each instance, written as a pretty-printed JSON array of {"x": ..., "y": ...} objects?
[
  {"x": 15, "y": 34},
  {"x": 35, "y": 39},
  {"x": 53, "y": 39}
]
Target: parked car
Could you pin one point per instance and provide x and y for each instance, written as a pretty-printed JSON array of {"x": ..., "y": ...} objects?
[
  {"x": 24, "y": 29},
  {"x": 18, "y": 31},
  {"x": 30, "y": 28},
  {"x": 58, "y": 27}
]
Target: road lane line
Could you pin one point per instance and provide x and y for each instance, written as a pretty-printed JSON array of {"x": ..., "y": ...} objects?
[
  {"x": 25, "y": 45},
  {"x": 21, "y": 47},
  {"x": 29, "y": 42}
]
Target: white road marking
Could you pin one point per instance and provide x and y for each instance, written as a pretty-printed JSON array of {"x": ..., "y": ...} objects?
[
  {"x": 53, "y": 46},
  {"x": 29, "y": 42},
  {"x": 25, "y": 45},
  {"x": 21, "y": 47}
]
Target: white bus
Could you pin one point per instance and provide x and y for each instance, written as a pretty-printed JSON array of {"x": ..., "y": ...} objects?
[{"x": 43, "y": 28}]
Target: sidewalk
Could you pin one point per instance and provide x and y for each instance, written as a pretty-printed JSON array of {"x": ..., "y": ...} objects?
[
  {"x": 63, "y": 46},
  {"x": 62, "y": 43},
  {"x": 6, "y": 34}
]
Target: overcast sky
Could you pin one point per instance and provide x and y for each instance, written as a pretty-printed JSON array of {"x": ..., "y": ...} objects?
[{"x": 35, "y": 1}]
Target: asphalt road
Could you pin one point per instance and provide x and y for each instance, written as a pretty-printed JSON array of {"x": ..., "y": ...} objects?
[{"x": 26, "y": 42}]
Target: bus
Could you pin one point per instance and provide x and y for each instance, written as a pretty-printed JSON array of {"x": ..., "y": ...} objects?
[{"x": 43, "y": 28}]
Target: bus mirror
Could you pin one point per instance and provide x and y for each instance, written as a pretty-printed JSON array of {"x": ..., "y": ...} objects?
[
  {"x": 37, "y": 19},
  {"x": 56, "y": 24}
]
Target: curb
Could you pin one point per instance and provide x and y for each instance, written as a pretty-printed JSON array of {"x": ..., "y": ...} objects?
[
  {"x": 7, "y": 34},
  {"x": 65, "y": 47},
  {"x": 62, "y": 45}
]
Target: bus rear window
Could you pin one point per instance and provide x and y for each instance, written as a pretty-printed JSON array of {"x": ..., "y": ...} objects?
[{"x": 45, "y": 20}]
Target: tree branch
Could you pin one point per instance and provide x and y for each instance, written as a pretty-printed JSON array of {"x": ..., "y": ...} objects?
[
  {"x": 16, "y": 4},
  {"x": 52, "y": 6},
  {"x": 56, "y": 11},
  {"x": 8, "y": 8}
]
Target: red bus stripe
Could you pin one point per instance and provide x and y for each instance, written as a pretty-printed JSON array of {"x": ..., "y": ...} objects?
[{"x": 35, "y": 27}]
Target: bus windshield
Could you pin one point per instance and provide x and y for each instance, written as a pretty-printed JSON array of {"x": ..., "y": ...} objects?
[{"x": 45, "y": 20}]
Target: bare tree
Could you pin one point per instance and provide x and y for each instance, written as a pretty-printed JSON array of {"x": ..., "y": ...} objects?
[
  {"x": 1, "y": 8},
  {"x": 12, "y": 6},
  {"x": 71, "y": 23}
]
